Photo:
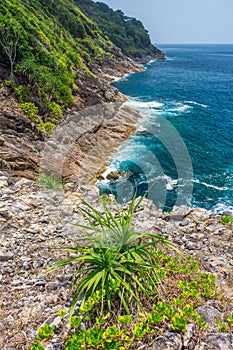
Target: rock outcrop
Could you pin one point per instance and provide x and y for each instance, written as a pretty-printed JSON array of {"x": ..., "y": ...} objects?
[
  {"x": 80, "y": 146},
  {"x": 20, "y": 140},
  {"x": 21, "y": 143}
]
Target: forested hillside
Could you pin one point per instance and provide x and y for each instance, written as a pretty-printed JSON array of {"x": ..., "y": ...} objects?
[
  {"x": 127, "y": 33},
  {"x": 47, "y": 46}
]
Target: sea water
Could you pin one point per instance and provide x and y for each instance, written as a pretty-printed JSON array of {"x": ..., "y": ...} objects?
[{"x": 182, "y": 151}]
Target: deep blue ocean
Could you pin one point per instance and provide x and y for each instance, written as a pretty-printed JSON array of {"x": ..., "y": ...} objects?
[{"x": 182, "y": 151}]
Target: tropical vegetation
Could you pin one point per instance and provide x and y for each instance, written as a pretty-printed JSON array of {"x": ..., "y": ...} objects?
[
  {"x": 46, "y": 45},
  {"x": 127, "y": 33}
]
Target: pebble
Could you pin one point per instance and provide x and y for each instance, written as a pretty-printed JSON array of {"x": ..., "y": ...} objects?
[{"x": 5, "y": 256}]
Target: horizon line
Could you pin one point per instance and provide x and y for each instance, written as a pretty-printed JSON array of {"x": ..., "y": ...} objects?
[{"x": 193, "y": 43}]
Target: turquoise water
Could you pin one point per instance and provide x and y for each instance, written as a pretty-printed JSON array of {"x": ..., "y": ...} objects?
[{"x": 182, "y": 152}]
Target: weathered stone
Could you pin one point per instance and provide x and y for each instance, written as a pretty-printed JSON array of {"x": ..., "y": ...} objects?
[
  {"x": 2, "y": 328},
  {"x": 184, "y": 223},
  {"x": 219, "y": 341},
  {"x": 210, "y": 314},
  {"x": 169, "y": 341},
  {"x": 3, "y": 182},
  {"x": 179, "y": 213},
  {"x": 51, "y": 286},
  {"x": 115, "y": 175},
  {"x": 188, "y": 335},
  {"x": 52, "y": 144},
  {"x": 192, "y": 246},
  {"x": 21, "y": 205},
  {"x": 5, "y": 256}
]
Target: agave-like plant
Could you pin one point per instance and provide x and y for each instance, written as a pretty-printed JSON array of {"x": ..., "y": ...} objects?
[{"x": 113, "y": 259}]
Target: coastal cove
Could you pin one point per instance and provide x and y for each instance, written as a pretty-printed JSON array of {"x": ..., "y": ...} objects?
[{"x": 192, "y": 90}]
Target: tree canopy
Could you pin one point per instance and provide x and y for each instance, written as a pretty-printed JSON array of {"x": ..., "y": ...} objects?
[{"x": 127, "y": 33}]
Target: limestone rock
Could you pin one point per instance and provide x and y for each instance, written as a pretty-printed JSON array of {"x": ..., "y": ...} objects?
[
  {"x": 169, "y": 341},
  {"x": 5, "y": 256},
  {"x": 219, "y": 341},
  {"x": 210, "y": 314}
]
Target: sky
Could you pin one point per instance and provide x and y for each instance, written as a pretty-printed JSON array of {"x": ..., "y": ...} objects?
[{"x": 182, "y": 21}]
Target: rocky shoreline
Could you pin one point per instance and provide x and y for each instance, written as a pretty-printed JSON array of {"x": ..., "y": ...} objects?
[
  {"x": 80, "y": 147},
  {"x": 35, "y": 221}
]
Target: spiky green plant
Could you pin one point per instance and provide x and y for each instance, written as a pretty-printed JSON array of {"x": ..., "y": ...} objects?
[{"x": 113, "y": 260}]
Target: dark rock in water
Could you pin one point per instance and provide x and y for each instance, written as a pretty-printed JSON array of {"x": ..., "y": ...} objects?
[
  {"x": 100, "y": 177},
  {"x": 115, "y": 175}
]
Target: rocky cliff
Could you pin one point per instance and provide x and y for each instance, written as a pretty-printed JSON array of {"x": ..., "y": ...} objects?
[
  {"x": 22, "y": 143},
  {"x": 51, "y": 84}
]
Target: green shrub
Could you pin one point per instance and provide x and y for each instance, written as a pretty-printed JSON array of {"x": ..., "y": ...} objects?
[
  {"x": 37, "y": 346},
  {"x": 48, "y": 126},
  {"x": 90, "y": 328},
  {"x": 9, "y": 83},
  {"x": 54, "y": 111},
  {"x": 22, "y": 93},
  {"x": 64, "y": 96},
  {"x": 30, "y": 109},
  {"x": 226, "y": 219}
]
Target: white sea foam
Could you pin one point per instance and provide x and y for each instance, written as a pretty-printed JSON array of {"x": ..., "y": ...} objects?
[
  {"x": 180, "y": 108},
  {"x": 149, "y": 63},
  {"x": 143, "y": 105},
  {"x": 211, "y": 186},
  {"x": 197, "y": 104},
  {"x": 170, "y": 182},
  {"x": 223, "y": 207},
  {"x": 123, "y": 78}
]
